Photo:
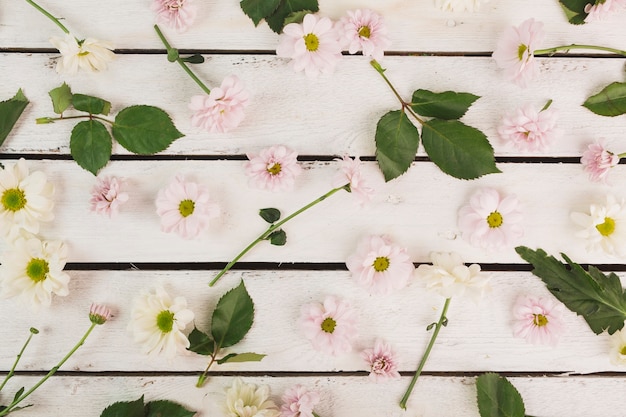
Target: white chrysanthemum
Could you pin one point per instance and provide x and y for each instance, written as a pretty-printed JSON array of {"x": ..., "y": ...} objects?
[
  {"x": 459, "y": 5},
  {"x": 246, "y": 400},
  {"x": 25, "y": 200},
  {"x": 618, "y": 348},
  {"x": 604, "y": 227},
  {"x": 33, "y": 270},
  {"x": 157, "y": 323},
  {"x": 88, "y": 54}
]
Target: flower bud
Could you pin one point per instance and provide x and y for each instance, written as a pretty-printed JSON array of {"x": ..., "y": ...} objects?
[{"x": 99, "y": 314}]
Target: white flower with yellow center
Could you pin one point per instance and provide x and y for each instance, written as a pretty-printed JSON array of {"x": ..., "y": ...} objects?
[
  {"x": 88, "y": 54},
  {"x": 604, "y": 227},
  {"x": 246, "y": 400},
  {"x": 618, "y": 348}
]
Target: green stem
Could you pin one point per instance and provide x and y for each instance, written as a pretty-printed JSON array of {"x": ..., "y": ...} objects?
[
  {"x": 33, "y": 331},
  {"x": 273, "y": 227},
  {"x": 315, "y": 414},
  {"x": 21, "y": 398},
  {"x": 566, "y": 48},
  {"x": 173, "y": 52},
  {"x": 621, "y": 155},
  {"x": 442, "y": 320},
  {"x": 202, "y": 378},
  {"x": 43, "y": 120},
  {"x": 48, "y": 15}
]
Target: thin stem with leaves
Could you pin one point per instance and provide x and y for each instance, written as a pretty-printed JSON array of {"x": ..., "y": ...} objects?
[
  {"x": 45, "y": 120},
  {"x": 405, "y": 105},
  {"x": 33, "y": 331},
  {"x": 202, "y": 378},
  {"x": 48, "y": 15},
  {"x": 567, "y": 48}
]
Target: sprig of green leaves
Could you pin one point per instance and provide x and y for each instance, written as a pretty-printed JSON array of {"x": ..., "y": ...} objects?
[
  {"x": 497, "y": 397},
  {"x": 278, "y": 13},
  {"x": 150, "y": 409},
  {"x": 10, "y": 111},
  {"x": 575, "y": 10}
]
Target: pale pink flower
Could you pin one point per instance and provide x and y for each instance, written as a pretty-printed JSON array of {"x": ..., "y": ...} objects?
[
  {"x": 99, "y": 314},
  {"x": 539, "y": 320},
  {"x": 330, "y": 326},
  {"x": 313, "y": 46},
  {"x": 185, "y": 208},
  {"x": 350, "y": 175},
  {"x": 364, "y": 30},
  {"x": 530, "y": 130},
  {"x": 491, "y": 221},
  {"x": 514, "y": 51},
  {"x": 106, "y": 197},
  {"x": 298, "y": 401},
  {"x": 597, "y": 162},
  {"x": 382, "y": 362},
  {"x": 223, "y": 109},
  {"x": 273, "y": 169},
  {"x": 175, "y": 14},
  {"x": 380, "y": 266},
  {"x": 602, "y": 9}
]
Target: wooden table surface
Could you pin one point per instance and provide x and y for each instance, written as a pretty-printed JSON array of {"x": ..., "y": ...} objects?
[{"x": 112, "y": 261}]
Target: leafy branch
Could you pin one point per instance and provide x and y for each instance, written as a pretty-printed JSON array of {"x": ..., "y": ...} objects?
[
  {"x": 150, "y": 409},
  {"x": 278, "y": 13}
]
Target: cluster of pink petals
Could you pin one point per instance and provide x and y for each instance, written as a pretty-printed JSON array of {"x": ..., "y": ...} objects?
[
  {"x": 601, "y": 10},
  {"x": 538, "y": 320},
  {"x": 315, "y": 317},
  {"x": 274, "y": 168},
  {"x": 364, "y": 30},
  {"x": 530, "y": 130},
  {"x": 175, "y": 14},
  {"x": 221, "y": 110},
  {"x": 382, "y": 362},
  {"x": 99, "y": 314},
  {"x": 350, "y": 174},
  {"x": 597, "y": 161},
  {"x": 106, "y": 196},
  {"x": 298, "y": 401}
]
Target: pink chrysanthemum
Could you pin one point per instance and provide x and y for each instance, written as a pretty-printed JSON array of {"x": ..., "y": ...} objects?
[
  {"x": 380, "y": 266},
  {"x": 364, "y": 30},
  {"x": 273, "y": 169},
  {"x": 530, "y": 130},
  {"x": 330, "y": 326},
  {"x": 299, "y": 402},
  {"x": 350, "y": 174},
  {"x": 382, "y": 362},
  {"x": 106, "y": 197},
  {"x": 185, "y": 208},
  {"x": 223, "y": 109},
  {"x": 602, "y": 9},
  {"x": 538, "y": 320},
  {"x": 313, "y": 45},
  {"x": 597, "y": 162},
  {"x": 491, "y": 221},
  {"x": 514, "y": 51},
  {"x": 176, "y": 14}
]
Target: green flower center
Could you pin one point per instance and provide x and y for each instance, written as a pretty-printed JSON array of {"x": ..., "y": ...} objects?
[
  {"x": 312, "y": 42},
  {"x": 540, "y": 320},
  {"x": 622, "y": 351},
  {"x": 37, "y": 269},
  {"x": 186, "y": 207},
  {"x": 607, "y": 228},
  {"x": 365, "y": 32},
  {"x": 13, "y": 199},
  {"x": 165, "y": 321},
  {"x": 521, "y": 50},
  {"x": 381, "y": 264},
  {"x": 329, "y": 324},
  {"x": 494, "y": 219},
  {"x": 274, "y": 168},
  {"x": 83, "y": 53}
]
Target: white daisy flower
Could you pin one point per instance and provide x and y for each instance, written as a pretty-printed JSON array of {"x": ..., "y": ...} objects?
[
  {"x": 88, "y": 54},
  {"x": 604, "y": 227}
]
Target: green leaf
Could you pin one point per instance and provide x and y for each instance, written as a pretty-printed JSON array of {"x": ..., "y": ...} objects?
[
  {"x": 242, "y": 357},
  {"x": 10, "y": 111},
  {"x": 276, "y": 20},
  {"x": 90, "y": 145},
  {"x": 125, "y": 409},
  {"x": 497, "y": 397},
  {"x": 194, "y": 59},
  {"x": 448, "y": 105},
  {"x": 599, "y": 298},
  {"x": 457, "y": 149},
  {"x": 90, "y": 104},
  {"x": 257, "y": 10},
  {"x": 18, "y": 394},
  {"x": 611, "y": 101},
  {"x": 270, "y": 215},
  {"x": 575, "y": 10},
  {"x": 166, "y": 408},
  {"x": 144, "y": 130},
  {"x": 278, "y": 237},
  {"x": 200, "y": 343},
  {"x": 61, "y": 98},
  {"x": 397, "y": 140},
  {"x": 296, "y": 17},
  {"x": 233, "y": 317}
]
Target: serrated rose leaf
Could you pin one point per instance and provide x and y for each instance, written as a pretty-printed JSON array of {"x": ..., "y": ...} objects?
[
  {"x": 257, "y": 10},
  {"x": 233, "y": 317},
  {"x": 457, "y": 149},
  {"x": 242, "y": 357},
  {"x": 166, "y": 408},
  {"x": 144, "y": 130},
  {"x": 90, "y": 104},
  {"x": 90, "y": 145},
  {"x": 10, "y": 111},
  {"x": 497, "y": 397},
  {"x": 575, "y": 10},
  {"x": 61, "y": 98},
  {"x": 125, "y": 409},
  {"x": 278, "y": 238},
  {"x": 200, "y": 343},
  {"x": 276, "y": 20},
  {"x": 448, "y": 105},
  {"x": 397, "y": 140},
  {"x": 611, "y": 101},
  {"x": 270, "y": 215}
]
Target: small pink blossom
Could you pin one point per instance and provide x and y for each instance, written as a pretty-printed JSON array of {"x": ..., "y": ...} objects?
[
  {"x": 514, "y": 51},
  {"x": 299, "y": 402},
  {"x": 273, "y": 169},
  {"x": 106, "y": 196},
  {"x": 538, "y": 320},
  {"x": 185, "y": 208},
  {"x": 350, "y": 174},
  {"x": 597, "y": 161},
  {"x": 313, "y": 46},
  {"x": 364, "y": 30},
  {"x": 223, "y": 109},
  {"x": 382, "y": 362},
  {"x": 380, "y": 266},
  {"x": 603, "y": 9},
  {"x": 330, "y": 326},
  {"x": 491, "y": 221},
  {"x": 530, "y": 130},
  {"x": 175, "y": 14},
  {"x": 99, "y": 314}
]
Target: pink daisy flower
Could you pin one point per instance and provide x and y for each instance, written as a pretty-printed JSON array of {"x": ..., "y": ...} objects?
[
  {"x": 382, "y": 362},
  {"x": 380, "y": 266},
  {"x": 185, "y": 208},
  {"x": 597, "y": 162},
  {"x": 330, "y": 326},
  {"x": 602, "y": 9},
  {"x": 514, "y": 51},
  {"x": 299, "y": 402},
  {"x": 313, "y": 45},
  {"x": 491, "y": 221},
  {"x": 106, "y": 196},
  {"x": 175, "y": 14},
  {"x": 99, "y": 314},
  {"x": 530, "y": 130},
  {"x": 273, "y": 169},
  {"x": 223, "y": 109},
  {"x": 350, "y": 175},
  {"x": 538, "y": 320},
  {"x": 364, "y": 30}
]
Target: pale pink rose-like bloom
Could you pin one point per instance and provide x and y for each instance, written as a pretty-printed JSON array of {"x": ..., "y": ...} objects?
[
  {"x": 298, "y": 401},
  {"x": 514, "y": 51},
  {"x": 380, "y": 266},
  {"x": 221, "y": 110},
  {"x": 350, "y": 174},
  {"x": 597, "y": 161},
  {"x": 185, "y": 207},
  {"x": 382, "y": 362},
  {"x": 539, "y": 320},
  {"x": 530, "y": 130},
  {"x": 313, "y": 46},
  {"x": 601, "y": 10},
  {"x": 106, "y": 196},
  {"x": 364, "y": 30},
  {"x": 329, "y": 326},
  {"x": 175, "y": 14},
  {"x": 274, "y": 168},
  {"x": 491, "y": 221}
]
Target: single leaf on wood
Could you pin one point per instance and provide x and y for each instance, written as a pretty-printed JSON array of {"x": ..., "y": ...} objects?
[
  {"x": 61, "y": 98},
  {"x": 242, "y": 357},
  {"x": 270, "y": 215},
  {"x": 599, "y": 298},
  {"x": 166, "y": 408},
  {"x": 90, "y": 145},
  {"x": 257, "y": 10},
  {"x": 125, "y": 409},
  {"x": 10, "y": 111},
  {"x": 448, "y": 105},
  {"x": 397, "y": 140},
  {"x": 497, "y": 397},
  {"x": 278, "y": 237},
  {"x": 233, "y": 317},
  {"x": 194, "y": 59},
  {"x": 200, "y": 343},
  {"x": 611, "y": 101},
  {"x": 91, "y": 104},
  {"x": 575, "y": 10},
  {"x": 276, "y": 20},
  {"x": 457, "y": 149},
  {"x": 144, "y": 130}
]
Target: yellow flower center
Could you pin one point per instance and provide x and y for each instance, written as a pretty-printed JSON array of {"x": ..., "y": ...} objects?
[
  {"x": 329, "y": 324},
  {"x": 365, "y": 32},
  {"x": 273, "y": 168},
  {"x": 521, "y": 50},
  {"x": 165, "y": 321},
  {"x": 607, "y": 228},
  {"x": 494, "y": 219},
  {"x": 381, "y": 264},
  {"x": 540, "y": 320},
  {"x": 312, "y": 42},
  {"x": 83, "y": 53},
  {"x": 186, "y": 207},
  {"x": 622, "y": 351},
  {"x": 13, "y": 199},
  {"x": 37, "y": 269}
]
